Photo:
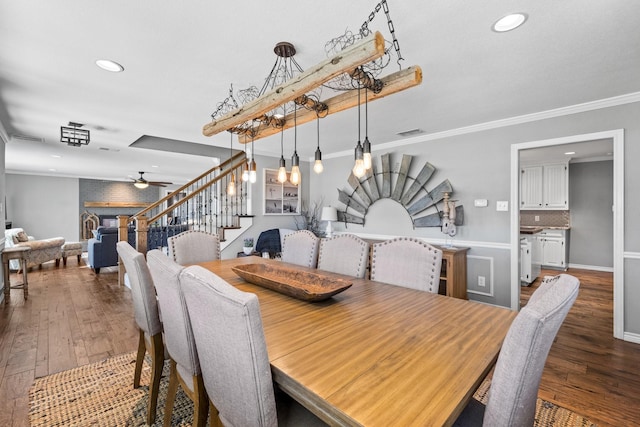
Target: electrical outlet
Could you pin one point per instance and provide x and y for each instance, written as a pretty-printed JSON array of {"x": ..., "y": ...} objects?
[
  {"x": 536, "y": 218},
  {"x": 502, "y": 205},
  {"x": 481, "y": 281}
]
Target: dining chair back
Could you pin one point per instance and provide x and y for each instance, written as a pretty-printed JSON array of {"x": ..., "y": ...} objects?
[
  {"x": 345, "y": 254},
  {"x": 228, "y": 331},
  {"x": 408, "y": 262},
  {"x": 301, "y": 248},
  {"x": 514, "y": 386},
  {"x": 145, "y": 308},
  {"x": 227, "y": 327},
  {"x": 193, "y": 247},
  {"x": 185, "y": 366}
]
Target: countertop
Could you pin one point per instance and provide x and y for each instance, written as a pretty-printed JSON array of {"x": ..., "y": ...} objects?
[{"x": 533, "y": 229}]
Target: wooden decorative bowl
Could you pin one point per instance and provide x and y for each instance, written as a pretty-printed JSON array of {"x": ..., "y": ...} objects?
[{"x": 300, "y": 284}]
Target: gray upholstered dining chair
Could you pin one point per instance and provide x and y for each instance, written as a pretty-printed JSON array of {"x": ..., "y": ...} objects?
[
  {"x": 301, "y": 248},
  {"x": 185, "y": 366},
  {"x": 514, "y": 386},
  {"x": 227, "y": 327},
  {"x": 147, "y": 318},
  {"x": 193, "y": 247},
  {"x": 344, "y": 254},
  {"x": 408, "y": 262}
]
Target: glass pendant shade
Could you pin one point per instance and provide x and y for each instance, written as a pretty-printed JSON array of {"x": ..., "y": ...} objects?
[
  {"x": 231, "y": 186},
  {"x": 253, "y": 174},
  {"x": 282, "y": 171},
  {"x": 245, "y": 172},
  {"x": 295, "y": 170},
  {"x": 358, "y": 168},
  {"x": 317, "y": 165},
  {"x": 366, "y": 150}
]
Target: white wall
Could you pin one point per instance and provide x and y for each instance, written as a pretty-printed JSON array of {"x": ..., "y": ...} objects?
[{"x": 43, "y": 206}]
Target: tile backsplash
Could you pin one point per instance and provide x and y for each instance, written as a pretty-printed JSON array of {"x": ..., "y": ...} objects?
[{"x": 546, "y": 218}]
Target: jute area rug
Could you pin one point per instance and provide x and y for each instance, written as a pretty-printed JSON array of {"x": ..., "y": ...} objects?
[{"x": 102, "y": 394}]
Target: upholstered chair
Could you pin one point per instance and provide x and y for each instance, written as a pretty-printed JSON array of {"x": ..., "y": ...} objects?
[
  {"x": 147, "y": 318},
  {"x": 301, "y": 248},
  {"x": 344, "y": 254},
  {"x": 193, "y": 247},
  {"x": 185, "y": 366},
  {"x": 407, "y": 262},
  {"x": 514, "y": 386},
  {"x": 229, "y": 336}
]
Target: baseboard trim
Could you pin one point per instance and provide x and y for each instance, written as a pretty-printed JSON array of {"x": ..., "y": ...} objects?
[
  {"x": 591, "y": 267},
  {"x": 631, "y": 337}
]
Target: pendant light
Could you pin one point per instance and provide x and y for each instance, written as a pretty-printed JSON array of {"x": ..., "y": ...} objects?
[
  {"x": 366, "y": 147},
  {"x": 231, "y": 186},
  {"x": 317, "y": 165},
  {"x": 252, "y": 165},
  {"x": 246, "y": 167},
  {"x": 358, "y": 167},
  {"x": 282, "y": 171},
  {"x": 295, "y": 160}
]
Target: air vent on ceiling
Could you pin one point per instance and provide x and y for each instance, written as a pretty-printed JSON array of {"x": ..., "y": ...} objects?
[
  {"x": 410, "y": 132},
  {"x": 25, "y": 138}
]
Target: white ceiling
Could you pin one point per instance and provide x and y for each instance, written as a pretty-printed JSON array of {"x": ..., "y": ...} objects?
[{"x": 181, "y": 57}]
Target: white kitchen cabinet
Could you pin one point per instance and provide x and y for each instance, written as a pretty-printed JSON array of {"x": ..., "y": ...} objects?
[
  {"x": 544, "y": 187},
  {"x": 554, "y": 248},
  {"x": 531, "y": 187},
  {"x": 553, "y": 252},
  {"x": 556, "y": 186}
]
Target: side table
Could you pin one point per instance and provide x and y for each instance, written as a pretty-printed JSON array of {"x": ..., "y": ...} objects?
[{"x": 16, "y": 252}]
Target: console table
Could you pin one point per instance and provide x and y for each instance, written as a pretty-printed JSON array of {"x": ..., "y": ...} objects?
[{"x": 454, "y": 271}]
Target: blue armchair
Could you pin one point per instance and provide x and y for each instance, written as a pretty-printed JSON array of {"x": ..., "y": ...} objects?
[{"x": 101, "y": 249}]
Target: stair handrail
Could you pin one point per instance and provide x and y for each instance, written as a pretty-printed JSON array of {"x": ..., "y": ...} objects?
[{"x": 231, "y": 160}]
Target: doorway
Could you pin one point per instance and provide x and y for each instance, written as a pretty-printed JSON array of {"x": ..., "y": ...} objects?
[{"x": 617, "y": 136}]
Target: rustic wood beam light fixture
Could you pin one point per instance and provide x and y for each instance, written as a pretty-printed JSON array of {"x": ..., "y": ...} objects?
[
  {"x": 393, "y": 83},
  {"x": 367, "y": 50}
]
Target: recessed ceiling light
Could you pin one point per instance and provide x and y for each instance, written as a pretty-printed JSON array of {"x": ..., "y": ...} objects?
[
  {"x": 56, "y": 156},
  {"x": 509, "y": 22},
  {"x": 109, "y": 65},
  {"x": 52, "y": 170},
  {"x": 568, "y": 153},
  {"x": 154, "y": 166}
]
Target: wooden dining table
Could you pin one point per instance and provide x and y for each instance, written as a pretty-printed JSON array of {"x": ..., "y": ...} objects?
[{"x": 376, "y": 354}]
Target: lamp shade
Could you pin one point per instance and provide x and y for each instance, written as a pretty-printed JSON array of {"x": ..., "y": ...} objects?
[{"x": 329, "y": 214}]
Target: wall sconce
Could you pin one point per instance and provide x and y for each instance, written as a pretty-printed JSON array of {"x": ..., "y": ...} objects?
[{"x": 329, "y": 214}]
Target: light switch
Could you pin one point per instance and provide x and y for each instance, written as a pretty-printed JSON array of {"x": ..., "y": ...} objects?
[
  {"x": 480, "y": 203},
  {"x": 502, "y": 205}
]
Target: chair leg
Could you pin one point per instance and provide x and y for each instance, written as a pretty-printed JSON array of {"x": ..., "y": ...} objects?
[
  {"x": 142, "y": 350},
  {"x": 214, "y": 418},
  {"x": 200, "y": 402},
  {"x": 171, "y": 394},
  {"x": 157, "y": 363}
]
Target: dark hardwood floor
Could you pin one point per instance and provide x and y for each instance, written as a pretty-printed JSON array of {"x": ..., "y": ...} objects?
[
  {"x": 74, "y": 317},
  {"x": 587, "y": 370}
]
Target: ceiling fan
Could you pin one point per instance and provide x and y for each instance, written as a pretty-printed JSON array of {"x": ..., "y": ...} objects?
[{"x": 143, "y": 183}]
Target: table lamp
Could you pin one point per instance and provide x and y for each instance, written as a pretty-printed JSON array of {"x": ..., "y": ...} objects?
[{"x": 329, "y": 214}]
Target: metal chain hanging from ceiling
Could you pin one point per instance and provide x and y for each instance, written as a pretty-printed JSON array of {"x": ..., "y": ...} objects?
[{"x": 257, "y": 115}]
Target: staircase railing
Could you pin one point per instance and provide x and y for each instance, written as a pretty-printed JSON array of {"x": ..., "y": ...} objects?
[{"x": 201, "y": 204}]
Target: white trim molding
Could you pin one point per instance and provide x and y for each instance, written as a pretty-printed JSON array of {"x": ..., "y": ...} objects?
[
  {"x": 491, "y": 274},
  {"x": 635, "y": 338},
  {"x": 617, "y": 135},
  {"x": 591, "y": 267},
  {"x": 628, "y": 98}
]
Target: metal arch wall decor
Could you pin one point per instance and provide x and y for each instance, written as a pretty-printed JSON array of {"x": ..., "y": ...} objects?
[{"x": 411, "y": 193}]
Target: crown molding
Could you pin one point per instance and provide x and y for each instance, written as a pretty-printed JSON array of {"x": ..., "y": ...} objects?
[{"x": 628, "y": 98}]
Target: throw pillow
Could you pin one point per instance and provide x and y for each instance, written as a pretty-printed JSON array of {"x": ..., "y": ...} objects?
[{"x": 22, "y": 236}]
